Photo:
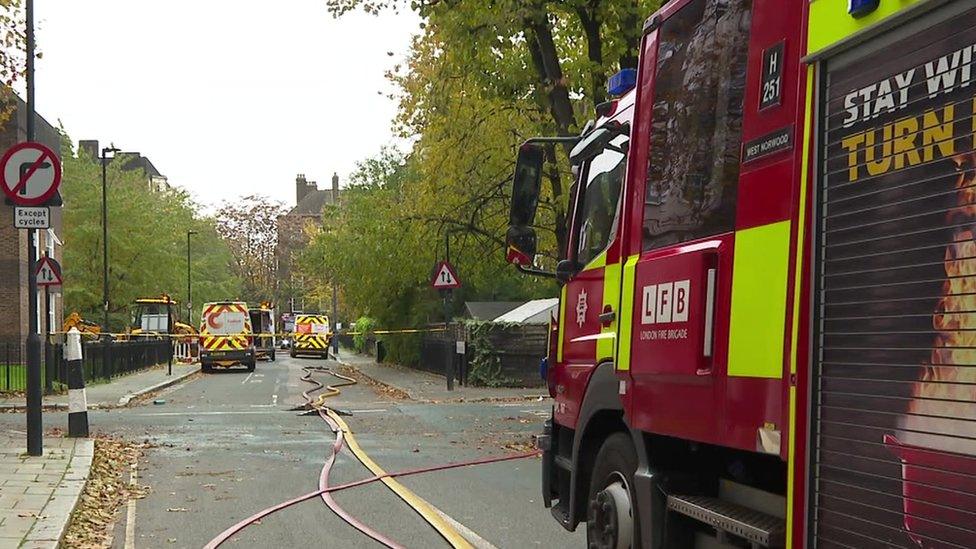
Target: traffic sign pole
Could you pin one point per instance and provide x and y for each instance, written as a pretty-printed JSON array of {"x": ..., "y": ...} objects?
[{"x": 35, "y": 425}]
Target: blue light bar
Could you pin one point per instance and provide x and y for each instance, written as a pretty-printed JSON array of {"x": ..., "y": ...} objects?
[
  {"x": 622, "y": 82},
  {"x": 859, "y": 8}
]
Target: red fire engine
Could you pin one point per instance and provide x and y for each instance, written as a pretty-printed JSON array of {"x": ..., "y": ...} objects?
[{"x": 767, "y": 325}]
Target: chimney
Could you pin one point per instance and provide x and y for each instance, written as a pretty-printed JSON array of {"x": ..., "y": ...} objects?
[
  {"x": 90, "y": 146},
  {"x": 335, "y": 188},
  {"x": 301, "y": 187}
]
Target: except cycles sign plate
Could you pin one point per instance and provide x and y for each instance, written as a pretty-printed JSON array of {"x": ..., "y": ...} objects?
[
  {"x": 32, "y": 217},
  {"x": 31, "y": 174}
]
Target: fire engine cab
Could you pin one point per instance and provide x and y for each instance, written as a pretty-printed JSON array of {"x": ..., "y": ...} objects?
[{"x": 767, "y": 325}]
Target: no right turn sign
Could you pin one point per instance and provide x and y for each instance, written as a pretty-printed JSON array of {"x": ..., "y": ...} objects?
[{"x": 31, "y": 174}]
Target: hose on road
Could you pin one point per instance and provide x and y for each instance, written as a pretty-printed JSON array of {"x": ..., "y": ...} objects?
[{"x": 344, "y": 436}]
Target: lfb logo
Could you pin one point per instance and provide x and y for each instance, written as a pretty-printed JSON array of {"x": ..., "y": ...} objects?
[{"x": 666, "y": 302}]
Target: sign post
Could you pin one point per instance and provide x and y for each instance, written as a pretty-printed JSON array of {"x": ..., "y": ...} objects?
[
  {"x": 28, "y": 190},
  {"x": 445, "y": 280}
]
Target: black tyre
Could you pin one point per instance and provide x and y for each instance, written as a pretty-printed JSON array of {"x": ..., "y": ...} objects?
[
  {"x": 272, "y": 355},
  {"x": 611, "y": 515},
  {"x": 206, "y": 367},
  {"x": 251, "y": 365},
  {"x": 292, "y": 354}
]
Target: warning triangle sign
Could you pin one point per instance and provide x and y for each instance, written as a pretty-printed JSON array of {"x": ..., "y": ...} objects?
[
  {"x": 48, "y": 272},
  {"x": 444, "y": 277}
]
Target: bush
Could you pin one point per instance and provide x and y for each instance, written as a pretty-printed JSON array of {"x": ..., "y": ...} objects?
[
  {"x": 485, "y": 366},
  {"x": 362, "y": 327}
]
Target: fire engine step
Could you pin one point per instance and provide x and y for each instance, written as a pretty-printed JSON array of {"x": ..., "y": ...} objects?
[{"x": 755, "y": 526}]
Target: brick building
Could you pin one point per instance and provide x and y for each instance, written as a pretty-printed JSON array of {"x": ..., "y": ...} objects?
[
  {"x": 131, "y": 161},
  {"x": 13, "y": 242},
  {"x": 293, "y": 235}
]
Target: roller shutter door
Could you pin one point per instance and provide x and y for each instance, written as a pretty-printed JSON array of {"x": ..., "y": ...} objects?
[{"x": 893, "y": 448}]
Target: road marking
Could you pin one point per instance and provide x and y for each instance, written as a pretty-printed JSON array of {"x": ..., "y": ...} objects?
[
  {"x": 371, "y": 411},
  {"x": 262, "y": 405},
  {"x": 130, "y": 512},
  {"x": 274, "y": 396},
  {"x": 229, "y": 413},
  {"x": 248, "y": 378}
]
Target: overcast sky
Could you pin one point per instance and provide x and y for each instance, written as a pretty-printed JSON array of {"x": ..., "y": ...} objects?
[{"x": 225, "y": 97}]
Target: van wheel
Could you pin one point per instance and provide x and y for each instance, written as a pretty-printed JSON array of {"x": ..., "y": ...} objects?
[{"x": 611, "y": 511}]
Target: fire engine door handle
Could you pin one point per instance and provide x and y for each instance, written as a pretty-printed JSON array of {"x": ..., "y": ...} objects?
[
  {"x": 608, "y": 316},
  {"x": 709, "y": 329}
]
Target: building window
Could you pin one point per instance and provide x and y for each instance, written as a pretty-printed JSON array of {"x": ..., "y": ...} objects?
[
  {"x": 599, "y": 201},
  {"x": 693, "y": 165},
  {"x": 37, "y": 253}
]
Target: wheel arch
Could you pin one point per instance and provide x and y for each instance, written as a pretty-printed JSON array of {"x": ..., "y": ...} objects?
[{"x": 601, "y": 414}]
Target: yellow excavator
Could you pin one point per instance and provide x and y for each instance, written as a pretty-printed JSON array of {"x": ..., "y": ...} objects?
[
  {"x": 156, "y": 316},
  {"x": 86, "y": 327}
]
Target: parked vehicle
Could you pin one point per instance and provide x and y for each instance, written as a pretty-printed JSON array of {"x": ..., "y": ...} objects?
[
  {"x": 766, "y": 311},
  {"x": 312, "y": 336},
  {"x": 262, "y": 321},
  {"x": 226, "y": 336}
]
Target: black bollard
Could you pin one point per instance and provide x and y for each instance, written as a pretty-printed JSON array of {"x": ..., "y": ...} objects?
[{"x": 77, "y": 399}]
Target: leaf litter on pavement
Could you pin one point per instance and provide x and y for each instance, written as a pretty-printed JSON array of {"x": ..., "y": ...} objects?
[{"x": 107, "y": 490}]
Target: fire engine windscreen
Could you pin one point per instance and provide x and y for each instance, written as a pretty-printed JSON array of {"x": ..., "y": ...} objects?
[{"x": 600, "y": 200}]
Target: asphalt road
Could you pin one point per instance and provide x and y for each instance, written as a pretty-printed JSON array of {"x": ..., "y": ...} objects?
[{"x": 226, "y": 447}]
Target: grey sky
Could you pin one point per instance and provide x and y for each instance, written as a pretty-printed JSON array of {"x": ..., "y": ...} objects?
[{"x": 226, "y": 97}]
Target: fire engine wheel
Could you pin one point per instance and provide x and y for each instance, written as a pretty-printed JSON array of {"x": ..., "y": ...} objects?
[
  {"x": 250, "y": 366},
  {"x": 610, "y": 513},
  {"x": 206, "y": 367}
]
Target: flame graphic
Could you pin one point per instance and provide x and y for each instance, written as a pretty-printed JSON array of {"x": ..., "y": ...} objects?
[{"x": 946, "y": 389}]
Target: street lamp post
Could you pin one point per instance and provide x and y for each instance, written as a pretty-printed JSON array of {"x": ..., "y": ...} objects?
[
  {"x": 105, "y": 151},
  {"x": 189, "y": 292}
]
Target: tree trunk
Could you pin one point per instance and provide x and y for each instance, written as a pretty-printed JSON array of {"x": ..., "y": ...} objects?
[
  {"x": 547, "y": 64},
  {"x": 590, "y": 21},
  {"x": 545, "y": 58},
  {"x": 631, "y": 28}
]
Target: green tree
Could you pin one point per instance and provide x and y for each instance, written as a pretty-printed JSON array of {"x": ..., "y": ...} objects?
[
  {"x": 250, "y": 227},
  {"x": 481, "y": 77},
  {"x": 381, "y": 255},
  {"x": 147, "y": 241}
]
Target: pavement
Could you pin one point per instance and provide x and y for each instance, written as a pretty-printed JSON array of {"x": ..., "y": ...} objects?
[
  {"x": 38, "y": 494},
  {"x": 117, "y": 392},
  {"x": 225, "y": 446},
  {"x": 427, "y": 387}
]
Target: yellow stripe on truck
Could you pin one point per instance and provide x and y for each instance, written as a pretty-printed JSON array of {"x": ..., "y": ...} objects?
[
  {"x": 795, "y": 329},
  {"x": 830, "y": 23},
  {"x": 606, "y": 346},
  {"x": 626, "y": 312},
  {"x": 759, "y": 280}
]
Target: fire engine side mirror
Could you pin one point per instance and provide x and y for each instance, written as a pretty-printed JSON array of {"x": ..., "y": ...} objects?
[
  {"x": 566, "y": 269},
  {"x": 520, "y": 240},
  {"x": 526, "y": 184}
]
